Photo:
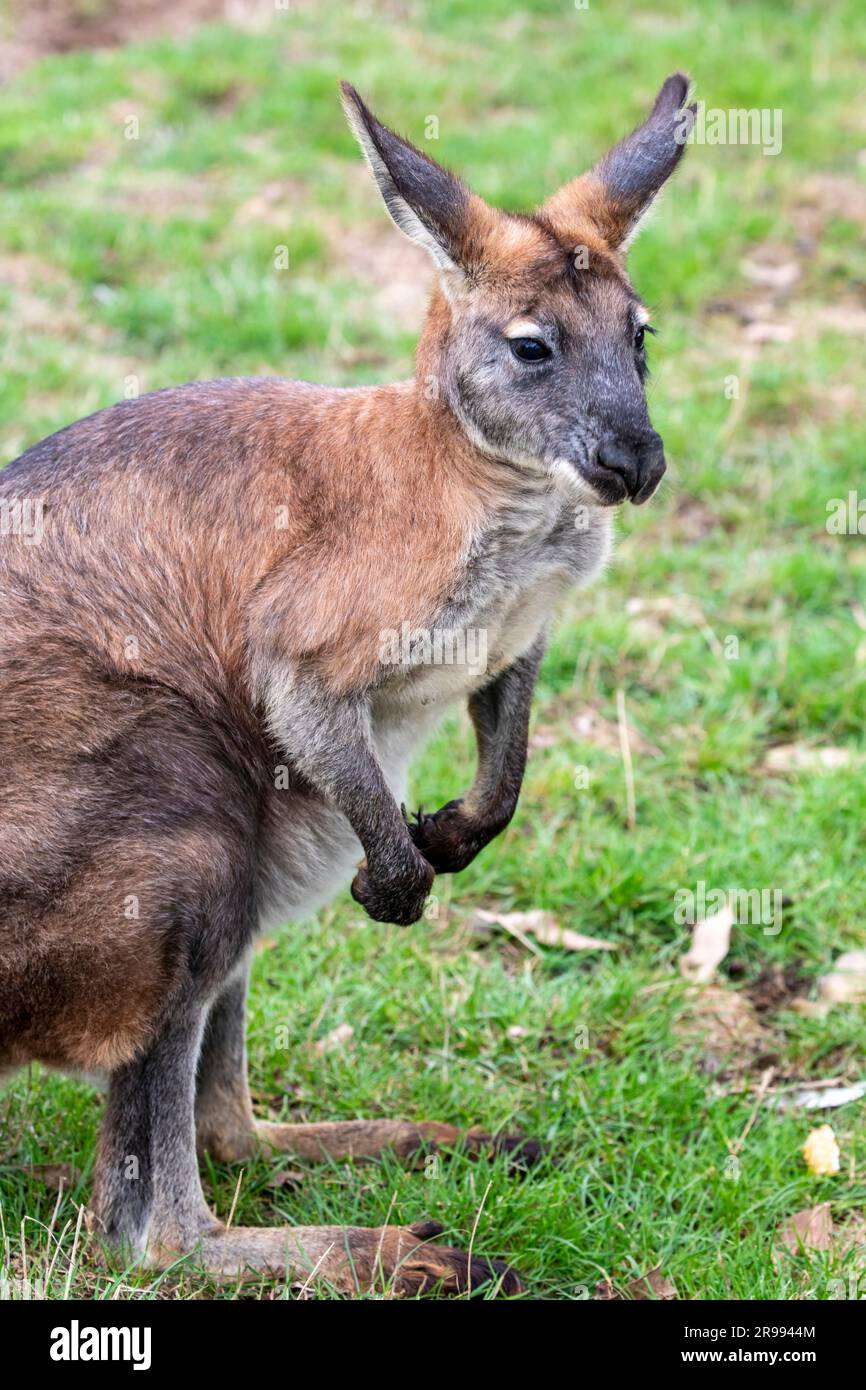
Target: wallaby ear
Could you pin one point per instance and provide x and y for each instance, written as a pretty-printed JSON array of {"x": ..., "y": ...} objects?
[
  {"x": 427, "y": 202},
  {"x": 617, "y": 193}
]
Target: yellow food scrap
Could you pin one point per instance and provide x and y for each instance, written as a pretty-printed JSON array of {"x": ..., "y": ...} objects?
[{"x": 821, "y": 1152}]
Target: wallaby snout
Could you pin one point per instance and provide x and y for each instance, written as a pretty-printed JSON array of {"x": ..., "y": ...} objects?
[{"x": 637, "y": 465}]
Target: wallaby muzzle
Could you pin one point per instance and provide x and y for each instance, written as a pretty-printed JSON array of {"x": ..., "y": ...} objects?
[{"x": 634, "y": 467}]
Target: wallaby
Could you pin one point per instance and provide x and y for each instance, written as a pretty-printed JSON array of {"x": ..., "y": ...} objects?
[{"x": 202, "y": 730}]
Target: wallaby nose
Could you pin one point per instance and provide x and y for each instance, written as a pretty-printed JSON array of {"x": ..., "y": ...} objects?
[{"x": 639, "y": 462}]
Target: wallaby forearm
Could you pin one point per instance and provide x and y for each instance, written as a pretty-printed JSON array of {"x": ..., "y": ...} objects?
[
  {"x": 328, "y": 740},
  {"x": 452, "y": 837}
]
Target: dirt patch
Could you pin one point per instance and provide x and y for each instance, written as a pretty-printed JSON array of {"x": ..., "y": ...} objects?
[
  {"x": 822, "y": 196},
  {"x": 43, "y": 299},
  {"x": 724, "y": 1024},
  {"x": 773, "y": 304},
  {"x": 61, "y": 26},
  {"x": 399, "y": 273},
  {"x": 776, "y": 988}
]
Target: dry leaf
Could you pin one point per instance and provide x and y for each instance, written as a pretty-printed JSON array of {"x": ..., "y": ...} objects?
[
  {"x": 544, "y": 927},
  {"x": 846, "y": 982},
  {"x": 605, "y": 1292},
  {"x": 337, "y": 1038},
  {"x": 821, "y": 1152},
  {"x": 810, "y": 1229},
  {"x": 711, "y": 939},
  {"x": 553, "y": 935},
  {"x": 797, "y": 757},
  {"x": 820, "y": 1097},
  {"x": 653, "y": 1285},
  {"x": 643, "y": 1289}
]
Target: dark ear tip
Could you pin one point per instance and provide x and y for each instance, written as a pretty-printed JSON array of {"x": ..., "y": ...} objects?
[{"x": 673, "y": 93}]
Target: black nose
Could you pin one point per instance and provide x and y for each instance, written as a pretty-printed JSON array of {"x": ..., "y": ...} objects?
[{"x": 639, "y": 462}]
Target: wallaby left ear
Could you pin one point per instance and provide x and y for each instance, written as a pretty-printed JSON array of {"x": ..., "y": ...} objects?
[
  {"x": 429, "y": 203},
  {"x": 617, "y": 193}
]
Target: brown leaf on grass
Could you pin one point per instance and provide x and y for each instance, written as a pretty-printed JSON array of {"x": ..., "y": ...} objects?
[
  {"x": 55, "y": 1175},
  {"x": 336, "y": 1039},
  {"x": 544, "y": 927},
  {"x": 646, "y": 1288},
  {"x": 653, "y": 1285},
  {"x": 606, "y": 1293},
  {"x": 811, "y": 1229},
  {"x": 711, "y": 939},
  {"x": 797, "y": 757}
]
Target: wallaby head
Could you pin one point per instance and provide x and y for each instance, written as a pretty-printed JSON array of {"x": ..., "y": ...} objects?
[{"x": 535, "y": 336}]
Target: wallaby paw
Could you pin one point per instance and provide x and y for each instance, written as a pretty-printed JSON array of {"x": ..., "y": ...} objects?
[
  {"x": 447, "y": 838},
  {"x": 399, "y": 899}
]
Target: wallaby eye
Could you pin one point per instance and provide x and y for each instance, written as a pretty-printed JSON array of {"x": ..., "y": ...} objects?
[
  {"x": 529, "y": 349},
  {"x": 639, "y": 338}
]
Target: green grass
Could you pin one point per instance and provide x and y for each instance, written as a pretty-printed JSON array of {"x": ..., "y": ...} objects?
[{"x": 130, "y": 259}]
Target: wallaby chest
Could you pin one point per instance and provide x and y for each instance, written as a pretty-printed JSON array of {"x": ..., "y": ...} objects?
[{"x": 512, "y": 577}]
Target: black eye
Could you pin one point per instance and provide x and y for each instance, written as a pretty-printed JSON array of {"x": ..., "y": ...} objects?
[
  {"x": 529, "y": 349},
  {"x": 639, "y": 339}
]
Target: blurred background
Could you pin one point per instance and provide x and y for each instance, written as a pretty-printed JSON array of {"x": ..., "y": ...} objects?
[{"x": 180, "y": 198}]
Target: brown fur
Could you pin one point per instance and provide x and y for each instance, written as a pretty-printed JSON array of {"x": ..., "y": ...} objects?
[{"x": 207, "y": 601}]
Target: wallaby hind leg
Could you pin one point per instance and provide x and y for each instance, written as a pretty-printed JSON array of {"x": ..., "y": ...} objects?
[
  {"x": 228, "y": 1131},
  {"x": 149, "y": 1202},
  {"x": 147, "y": 1191}
]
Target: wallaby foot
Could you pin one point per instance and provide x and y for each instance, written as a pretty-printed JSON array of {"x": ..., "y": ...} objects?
[
  {"x": 227, "y": 1130},
  {"x": 400, "y": 1260},
  {"x": 369, "y": 1139}
]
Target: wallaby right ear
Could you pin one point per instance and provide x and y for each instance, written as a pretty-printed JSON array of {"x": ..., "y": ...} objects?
[
  {"x": 617, "y": 193},
  {"x": 427, "y": 202}
]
